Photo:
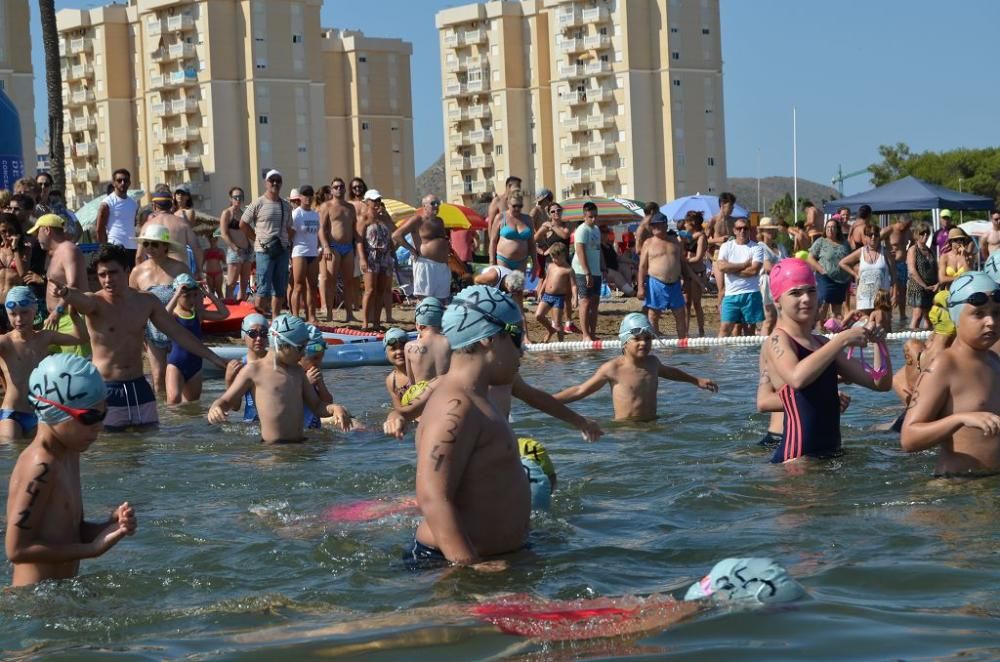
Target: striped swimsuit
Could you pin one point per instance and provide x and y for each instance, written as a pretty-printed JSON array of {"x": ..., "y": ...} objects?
[{"x": 812, "y": 415}]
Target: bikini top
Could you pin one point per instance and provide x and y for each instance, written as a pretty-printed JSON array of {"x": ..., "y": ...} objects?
[
  {"x": 952, "y": 271},
  {"x": 508, "y": 231}
]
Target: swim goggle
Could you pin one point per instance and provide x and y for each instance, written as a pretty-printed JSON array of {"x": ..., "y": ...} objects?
[
  {"x": 639, "y": 331},
  {"x": 515, "y": 331},
  {"x": 23, "y": 303},
  {"x": 256, "y": 334},
  {"x": 397, "y": 341},
  {"x": 977, "y": 299},
  {"x": 82, "y": 416}
]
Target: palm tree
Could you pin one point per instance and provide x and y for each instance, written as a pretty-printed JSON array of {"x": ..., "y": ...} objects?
[{"x": 53, "y": 88}]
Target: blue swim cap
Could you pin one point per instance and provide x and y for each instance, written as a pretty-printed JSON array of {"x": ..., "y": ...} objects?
[
  {"x": 185, "y": 281},
  {"x": 967, "y": 284},
  {"x": 288, "y": 330},
  {"x": 252, "y": 320},
  {"x": 630, "y": 323},
  {"x": 393, "y": 336},
  {"x": 20, "y": 296},
  {"x": 317, "y": 344},
  {"x": 539, "y": 483},
  {"x": 476, "y": 313},
  {"x": 755, "y": 579},
  {"x": 992, "y": 266},
  {"x": 67, "y": 379},
  {"x": 429, "y": 312}
]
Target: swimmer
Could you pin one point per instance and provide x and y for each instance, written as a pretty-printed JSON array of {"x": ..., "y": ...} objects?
[
  {"x": 47, "y": 536},
  {"x": 768, "y": 401},
  {"x": 956, "y": 399},
  {"x": 804, "y": 368},
  {"x": 279, "y": 386},
  {"x": 21, "y": 350},
  {"x": 634, "y": 376},
  {"x": 254, "y": 332},
  {"x": 312, "y": 361},
  {"x": 397, "y": 382},
  {"x": 917, "y": 354},
  {"x": 187, "y": 305},
  {"x": 471, "y": 488},
  {"x": 559, "y": 284},
  {"x": 428, "y": 356}
]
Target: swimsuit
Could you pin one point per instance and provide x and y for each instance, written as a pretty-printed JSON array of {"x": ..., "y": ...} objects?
[
  {"x": 342, "y": 249},
  {"x": 663, "y": 296},
  {"x": 130, "y": 403},
  {"x": 28, "y": 422},
  {"x": 952, "y": 271},
  {"x": 249, "y": 406},
  {"x": 421, "y": 557},
  {"x": 217, "y": 255},
  {"x": 156, "y": 337},
  {"x": 400, "y": 391},
  {"x": 812, "y": 415},
  {"x": 189, "y": 364},
  {"x": 508, "y": 231},
  {"x": 554, "y": 300},
  {"x": 513, "y": 265},
  {"x": 378, "y": 249}
]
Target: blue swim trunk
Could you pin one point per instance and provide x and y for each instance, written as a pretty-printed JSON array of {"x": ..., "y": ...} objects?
[
  {"x": 746, "y": 308},
  {"x": 272, "y": 274},
  {"x": 131, "y": 404},
  {"x": 902, "y": 273},
  {"x": 554, "y": 300},
  {"x": 342, "y": 249},
  {"x": 422, "y": 557},
  {"x": 28, "y": 422},
  {"x": 663, "y": 296}
]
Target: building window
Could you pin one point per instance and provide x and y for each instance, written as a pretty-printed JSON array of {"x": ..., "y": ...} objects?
[
  {"x": 296, "y": 39},
  {"x": 711, "y": 162},
  {"x": 673, "y": 30},
  {"x": 677, "y": 82},
  {"x": 362, "y": 58},
  {"x": 262, "y": 119},
  {"x": 534, "y": 148},
  {"x": 499, "y": 150},
  {"x": 706, "y": 31},
  {"x": 675, "y": 56},
  {"x": 364, "y": 126}
]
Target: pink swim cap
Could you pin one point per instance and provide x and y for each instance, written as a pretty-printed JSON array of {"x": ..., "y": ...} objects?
[{"x": 790, "y": 272}]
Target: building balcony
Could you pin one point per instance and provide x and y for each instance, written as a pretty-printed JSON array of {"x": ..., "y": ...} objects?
[
  {"x": 452, "y": 40},
  {"x": 474, "y": 37},
  {"x": 597, "y": 67},
  {"x": 79, "y": 98},
  {"x": 476, "y": 186},
  {"x": 605, "y": 174},
  {"x": 571, "y": 123},
  {"x": 83, "y": 150},
  {"x": 457, "y": 89},
  {"x": 593, "y": 122},
  {"x": 461, "y": 163},
  {"x": 596, "y": 15},
  {"x": 574, "y": 176},
  {"x": 570, "y": 45},
  {"x": 80, "y": 45},
  {"x": 456, "y": 64},
  {"x": 477, "y": 86},
  {"x": 453, "y": 89},
  {"x": 572, "y": 151},
  {"x": 82, "y": 123},
  {"x": 481, "y": 161},
  {"x": 192, "y": 161},
  {"x": 177, "y": 135},
  {"x": 570, "y": 71},
  {"x": 600, "y": 147},
  {"x": 479, "y": 111},
  {"x": 570, "y": 17},
  {"x": 63, "y": 48},
  {"x": 481, "y": 136},
  {"x": 180, "y": 51},
  {"x": 182, "y": 78},
  {"x": 154, "y": 27},
  {"x": 84, "y": 175},
  {"x": 596, "y": 42},
  {"x": 175, "y": 107},
  {"x": 157, "y": 82},
  {"x": 180, "y": 23},
  {"x": 600, "y": 94},
  {"x": 78, "y": 72},
  {"x": 575, "y": 98}
]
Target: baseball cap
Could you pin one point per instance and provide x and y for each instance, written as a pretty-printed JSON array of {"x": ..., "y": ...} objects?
[
  {"x": 372, "y": 194},
  {"x": 544, "y": 193},
  {"x": 946, "y": 212},
  {"x": 271, "y": 173},
  {"x": 48, "y": 221},
  {"x": 294, "y": 195}
]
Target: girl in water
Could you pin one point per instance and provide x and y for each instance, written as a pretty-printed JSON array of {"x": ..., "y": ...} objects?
[
  {"x": 804, "y": 368},
  {"x": 183, "y": 374}
]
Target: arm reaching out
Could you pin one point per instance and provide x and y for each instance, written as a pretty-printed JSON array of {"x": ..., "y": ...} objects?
[
  {"x": 547, "y": 404},
  {"x": 589, "y": 387}
]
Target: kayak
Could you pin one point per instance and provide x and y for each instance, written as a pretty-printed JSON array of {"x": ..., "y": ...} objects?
[
  {"x": 232, "y": 324},
  {"x": 344, "y": 350}
]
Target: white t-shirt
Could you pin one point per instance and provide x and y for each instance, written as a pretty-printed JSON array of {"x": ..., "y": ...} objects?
[
  {"x": 306, "y": 226},
  {"x": 121, "y": 221},
  {"x": 737, "y": 254}
]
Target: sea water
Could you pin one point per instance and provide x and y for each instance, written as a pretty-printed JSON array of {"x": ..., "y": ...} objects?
[{"x": 235, "y": 558}]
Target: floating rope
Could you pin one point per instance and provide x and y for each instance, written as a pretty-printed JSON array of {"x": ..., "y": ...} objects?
[{"x": 685, "y": 343}]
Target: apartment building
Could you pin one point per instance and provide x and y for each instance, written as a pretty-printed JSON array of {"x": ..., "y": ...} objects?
[
  {"x": 585, "y": 97},
  {"x": 16, "y": 77},
  {"x": 217, "y": 92}
]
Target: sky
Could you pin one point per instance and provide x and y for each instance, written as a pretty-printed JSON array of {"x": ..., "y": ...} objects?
[{"x": 860, "y": 73}]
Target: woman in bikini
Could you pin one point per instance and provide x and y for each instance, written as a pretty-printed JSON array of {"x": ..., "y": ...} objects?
[
  {"x": 958, "y": 259},
  {"x": 184, "y": 206},
  {"x": 514, "y": 238},
  {"x": 239, "y": 253},
  {"x": 13, "y": 260},
  {"x": 696, "y": 249}
]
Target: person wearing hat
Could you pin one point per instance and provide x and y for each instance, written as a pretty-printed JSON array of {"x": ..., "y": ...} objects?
[
  {"x": 185, "y": 246},
  {"x": 634, "y": 376},
  {"x": 265, "y": 222},
  {"x": 397, "y": 382},
  {"x": 376, "y": 256},
  {"x": 183, "y": 370},
  {"x": 941, "y": 240},
  {"x": 117, "y": 215},
  {"x": 767, "y": 230},
  {"x": 47, "y": 536},
  {"x": 253, "y": 331},
  {"x": 958, "y": 259},
  {"x": 539, "y": 216},
  {"x": 428, "y": 356}
]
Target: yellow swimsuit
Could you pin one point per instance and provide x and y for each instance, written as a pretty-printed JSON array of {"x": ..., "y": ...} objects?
[{"x": 951, "y": 271}]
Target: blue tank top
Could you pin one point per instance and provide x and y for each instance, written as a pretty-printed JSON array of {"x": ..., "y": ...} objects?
[{"x": 812, "y": 416}]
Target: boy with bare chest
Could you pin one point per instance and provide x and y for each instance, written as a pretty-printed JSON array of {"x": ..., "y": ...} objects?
[
  {"x": 558, "y": 292},
  {"x": 661, "y": 264},
  {"x": 957, "y": 398},
  {"x": 429, "y": 355}
]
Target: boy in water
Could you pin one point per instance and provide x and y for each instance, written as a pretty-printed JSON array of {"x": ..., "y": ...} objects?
[
  {"x": 397, "y": 382},
  {"x": 46, "y": 533},
  {"x": 559, "y": 283},
  {"x": 956, "y": 398},
  {"x": 634, "y": 376},
  {"x": 471, "y": 488},
  {"x": 662, "y": 263},
  {"x": 21, "y": 350},
  {"x": 280, "y": 387},
  {"x": 428, "y": 356}
]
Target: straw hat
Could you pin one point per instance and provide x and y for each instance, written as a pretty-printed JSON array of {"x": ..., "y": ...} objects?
[
  {"x": 957, "y": 233},
  {"x": 767, "y": 223},
  {"x": 160, "y": 234}
]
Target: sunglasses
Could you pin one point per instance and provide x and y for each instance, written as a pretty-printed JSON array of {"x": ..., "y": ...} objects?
[
  {"x": 340, "y": 186},
  {"x": 739, "y": 228},
  {"x": 236, "y": 197},
  {"x": 152, "y": 244},
  {"x": 122, "y": 181},
  {"x": 274, "y": 181},
  {"x": 977, "y": 299},
  {"x": 435, "y": 203},
  {"x": 556, "y": 211},
  {"x": 517, "y": 206},
  {"x": 357, "y": 186},
  {"x": 515, "y": 331},
  {"x": 24, "y": 303},
  {"x": 256, "y": 334},
  {"x": 82, "y": 416},
  {"x": 43, "y": 184}
]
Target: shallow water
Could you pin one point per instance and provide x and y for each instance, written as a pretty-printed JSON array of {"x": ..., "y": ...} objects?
[{"x": 233, "y": 558}]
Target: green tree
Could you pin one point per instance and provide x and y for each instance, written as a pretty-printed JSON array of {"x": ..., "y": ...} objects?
[
  {"x": 968, "y": 170},
  {"x": 53, "y": 89},
  {"x": 895, "y": 159}
]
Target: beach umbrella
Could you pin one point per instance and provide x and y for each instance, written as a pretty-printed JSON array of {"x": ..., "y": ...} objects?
[
  {"x": 635, "y": 205},
  {"x": 708, "y": 205},
  {"x": 399, "y": 211},
  {"x": 87, "y": 214},
  {"x": 610, "y": 211},
  {"x": 459, "y": 217}
]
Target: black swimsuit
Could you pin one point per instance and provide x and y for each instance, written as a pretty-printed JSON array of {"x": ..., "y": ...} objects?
[{"x": 812, "y": 415}]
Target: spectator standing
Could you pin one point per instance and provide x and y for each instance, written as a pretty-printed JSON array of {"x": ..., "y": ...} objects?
[
  {"x": 588, "y": 266},
  {"x": 740, "y": 261},
  {"x": 266, "y": 223},
  {"x": 116, "y": 215}
]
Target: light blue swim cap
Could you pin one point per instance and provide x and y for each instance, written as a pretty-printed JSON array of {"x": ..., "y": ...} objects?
[
  {"x": 631, "y": 322},
  {"x": 476, "y": 313},
  {"x": 429, "y": 312},
  {"x": 968, "y": 283},
  {"x": 288, "y": 330},
  {"x": 317, "y": 344},
  {"x": 67, "y": 379},
  {"x": 540, "y": 484},
  {"x": 21, "y": 297},
  {"x": 992, "y": 266},
  {"x": 185, "y": 281},
  {"x": 393, "y": 336},
  {"x": 748, "y": 579},
  {"x": 252, "y": 320}
]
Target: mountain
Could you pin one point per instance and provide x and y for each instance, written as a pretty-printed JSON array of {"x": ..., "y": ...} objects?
[{"x": 432, "y": 180}]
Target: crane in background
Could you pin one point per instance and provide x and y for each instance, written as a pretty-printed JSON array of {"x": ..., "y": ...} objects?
[{"x": 838, "y": 181}]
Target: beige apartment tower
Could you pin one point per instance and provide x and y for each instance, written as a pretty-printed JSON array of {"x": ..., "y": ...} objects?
[
  {"x": 585, "y": 97},
  {"x": 16, "y": 77},
  {"x": 211, "y": 94}
]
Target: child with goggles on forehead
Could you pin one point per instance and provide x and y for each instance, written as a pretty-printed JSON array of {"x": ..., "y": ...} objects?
[
  {"x": 957, "y": 397},
  {"x": 21, "y": 350},
  {"x": 634, "y": 376},
  {"x": 278, "y": 383},
  {"x": 183, "y": 375},
  {"x": 47, "y": 535}
]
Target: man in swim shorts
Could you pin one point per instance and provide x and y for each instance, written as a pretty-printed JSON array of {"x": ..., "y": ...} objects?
[
  {"x": 338, "y": 231},
  {"x": 430, "y": 247},
  {"x": 471, "y": 488},
  {"x": 661, "y": 265},
  {"x": 957, "y": 397},
  {"x": 47, "y": 536},
  {"x": 116, "y": 320},
  {"x": 740, "y": 261}
]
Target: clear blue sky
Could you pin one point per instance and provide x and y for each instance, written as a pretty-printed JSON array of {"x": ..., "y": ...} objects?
[{"x": 861, "y": 74}]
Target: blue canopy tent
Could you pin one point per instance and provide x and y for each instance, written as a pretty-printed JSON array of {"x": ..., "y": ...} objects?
[{"x": 910, "y": 194}]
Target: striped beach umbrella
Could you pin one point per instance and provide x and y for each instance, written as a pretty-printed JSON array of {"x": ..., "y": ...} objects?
[
  {"x": 460, "y": 217},
  {"x": 610, "y": 211},
  {"x": 399, "y": 211}
]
